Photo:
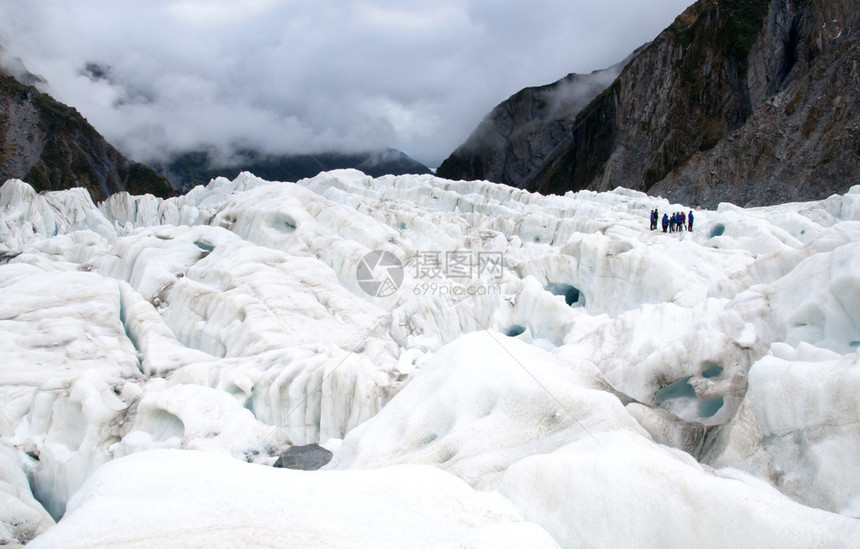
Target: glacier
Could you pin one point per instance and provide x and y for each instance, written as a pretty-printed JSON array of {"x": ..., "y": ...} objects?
[{"x": 529, "y": 370}]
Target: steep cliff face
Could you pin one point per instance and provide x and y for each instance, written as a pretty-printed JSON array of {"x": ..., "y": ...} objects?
[
  {"x": 52, "y": 147},
  {"x": 802, "y": 142},
  {"x": 517, "y": 138},
  {"x": 747, "y": 101}
]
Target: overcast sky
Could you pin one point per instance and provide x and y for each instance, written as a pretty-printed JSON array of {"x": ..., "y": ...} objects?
[{"x": 305, "y": 75}]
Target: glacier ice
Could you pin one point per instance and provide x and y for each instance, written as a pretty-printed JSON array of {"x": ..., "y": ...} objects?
[
  {"x": 152, "y": 494},
  {"x": 22, "y": 518},
  {"x": 547, "y": 368}
]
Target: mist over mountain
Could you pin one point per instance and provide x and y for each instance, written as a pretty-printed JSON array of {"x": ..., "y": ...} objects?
[
  {"x": 750, "y": 102},
  {"x": 745, "y": 101},
  {"x": 517, "y": 138},
  {"x": 186, "y": 170},
  {"x": 52, "y": 147},
  {"x": 14, "y": 66}
]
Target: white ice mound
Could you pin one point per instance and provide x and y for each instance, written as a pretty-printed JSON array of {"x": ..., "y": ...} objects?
[
  {"x": 193, "y": 499},
  {"x": 21, "y": 517},
  {"x": 799, "y": 427},
  {"x": 526, "y": 403},
  {"x": 530, "y": 343},
  {"x": 568, "y": 454},
  {"x": 600, "y": 492},
  {"x": 819, "y": 301},
  {"x": 28, "y": 216},
  {"x": 58, "y": 325}
]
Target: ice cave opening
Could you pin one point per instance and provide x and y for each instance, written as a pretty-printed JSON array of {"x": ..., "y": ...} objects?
[{"x": 572, "y": 295}]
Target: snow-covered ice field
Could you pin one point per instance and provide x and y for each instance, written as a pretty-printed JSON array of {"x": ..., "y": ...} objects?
[{"x": 490, "y": 367}]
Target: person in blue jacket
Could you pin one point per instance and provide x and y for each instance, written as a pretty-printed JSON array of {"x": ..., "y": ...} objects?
[
  {"x": 665, "y": 222},
  {"x": 690, "y": 221}
]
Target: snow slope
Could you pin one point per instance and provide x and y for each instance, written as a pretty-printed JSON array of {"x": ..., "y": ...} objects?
[{"x": 545, "y": 371}]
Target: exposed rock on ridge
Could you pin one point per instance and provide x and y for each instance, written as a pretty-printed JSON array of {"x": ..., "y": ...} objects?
[
  {"x": 802, "y": 142},
  {"x": 733, "y": 102},
  {"x": 515, "y": 140},
  {"x": 52, "y": 147},
  {"x": 747, "y": 101}
]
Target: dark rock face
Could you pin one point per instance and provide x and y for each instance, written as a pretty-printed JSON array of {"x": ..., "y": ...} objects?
[
  {"x": 681, "y": 95},
  {"x": 802, "y": 140},
  {"x": 747, "y": 101},
  {"x": 517, "y": 138},
  {"x": 52, "y": 147},
  {"x": 309, "y": 457}
]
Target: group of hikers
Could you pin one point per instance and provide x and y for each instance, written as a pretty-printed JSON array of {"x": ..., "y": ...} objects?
[{"x": 678, "y": 221}]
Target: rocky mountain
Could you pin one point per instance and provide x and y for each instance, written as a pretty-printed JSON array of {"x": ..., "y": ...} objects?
[
  {"x": 513, "y": 142},
  {"x": 748, "y": 101},
  {"x": 186, "y": 170},
  {"x": 52, "y": 147}
]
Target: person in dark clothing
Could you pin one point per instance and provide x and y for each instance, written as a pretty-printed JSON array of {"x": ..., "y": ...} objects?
[
  {"x": 690, "y": 221},
  {"x": 665, "y": 222}
]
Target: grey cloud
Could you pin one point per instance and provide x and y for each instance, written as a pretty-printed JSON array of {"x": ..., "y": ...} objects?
[{"x": 301, "y": 75}]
